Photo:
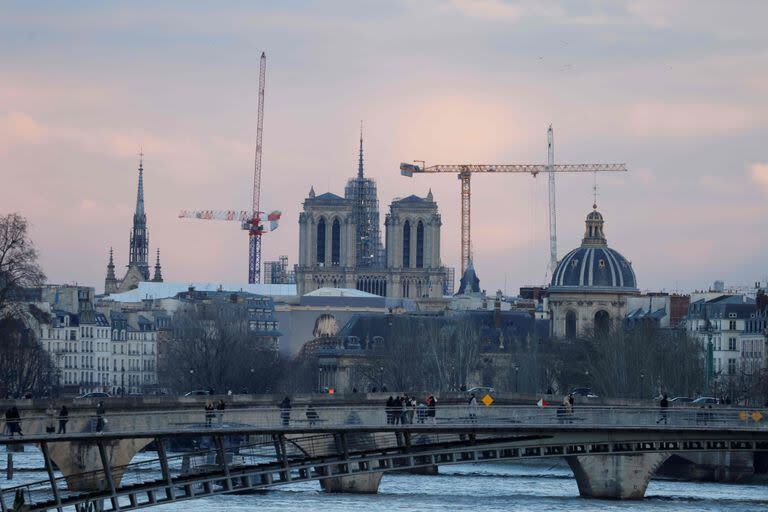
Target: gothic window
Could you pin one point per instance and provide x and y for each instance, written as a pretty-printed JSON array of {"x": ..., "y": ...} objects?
[
  {"x": 321, "y": 241},
  {"x": 335, "y": 243},
  {"x": 570, "y": 325},
  {"x": 420, "y": 245},
  {"x": 407, "y": 244}
]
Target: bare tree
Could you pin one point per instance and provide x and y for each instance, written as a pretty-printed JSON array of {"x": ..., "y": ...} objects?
[
  {"x": 212, "y": 346},
  {"x": 18, "y": 258},
  {"x": 24, "y": 365}
]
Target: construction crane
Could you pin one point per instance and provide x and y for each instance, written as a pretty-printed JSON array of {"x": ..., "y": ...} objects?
[
  {"x": 253, "y": 221},
  {"x": 465, "y": 171}
]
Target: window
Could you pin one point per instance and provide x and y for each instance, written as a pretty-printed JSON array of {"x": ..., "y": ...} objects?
[
  {"x": 731, "y": 366},
  {"x": 406, "y": 244},
  {"x": 420, "y": 245},
  {"x": 321, "y": 241},
  {"x": 335, "y": 243},
  {"x": 731, "y": 343},
  {"x": 732, "y": 325},
  {"x": 570, "y": 325}
]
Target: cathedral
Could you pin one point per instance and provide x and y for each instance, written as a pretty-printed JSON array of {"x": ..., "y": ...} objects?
[
  {"x": 340, "y": 243},
  {"x": 138, "y": 262},
  {"x": 590, "y": 286}
]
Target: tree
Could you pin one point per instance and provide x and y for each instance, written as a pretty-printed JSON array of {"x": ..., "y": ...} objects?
[
  {"x": 25, "y": 366},
  {"x": 212, "y": 346},
  {"x": 18, "y": 258}
]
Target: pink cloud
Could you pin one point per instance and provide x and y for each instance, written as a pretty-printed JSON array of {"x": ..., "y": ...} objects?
[
  {"x": 19, "y": 128},
  {"x": 692, "y": 119},
  {"x": 759, "y": 174}
]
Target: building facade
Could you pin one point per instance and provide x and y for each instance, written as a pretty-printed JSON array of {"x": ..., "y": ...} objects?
[
  {"x": 340, "y": 247},
  {"x": 590, "y": 286}
]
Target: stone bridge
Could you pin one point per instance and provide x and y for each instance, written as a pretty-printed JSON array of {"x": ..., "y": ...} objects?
[{"x": 612, "y": 451}]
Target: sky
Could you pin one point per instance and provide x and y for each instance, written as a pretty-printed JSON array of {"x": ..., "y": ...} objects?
[{"x": 676, "y": 90}]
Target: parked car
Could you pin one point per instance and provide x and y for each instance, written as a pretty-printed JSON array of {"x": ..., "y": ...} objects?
[
  {"x": 681, "y": 400},
  {"x": 481, "y": 390},
  {"x": 705, "y": 400},
  {"x": 198, "y": 392},
  {"x": 585, "y": 392},
  {"x": 94, "y": 394}
]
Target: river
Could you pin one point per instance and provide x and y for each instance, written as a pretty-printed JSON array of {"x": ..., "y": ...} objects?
[{"x": 487, "y": 487}]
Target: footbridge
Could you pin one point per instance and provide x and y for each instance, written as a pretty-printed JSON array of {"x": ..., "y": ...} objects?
[{"x": 613, "y": 452}]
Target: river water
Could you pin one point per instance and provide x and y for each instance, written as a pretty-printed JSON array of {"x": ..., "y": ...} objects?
[{"x": 487, "y": 487}]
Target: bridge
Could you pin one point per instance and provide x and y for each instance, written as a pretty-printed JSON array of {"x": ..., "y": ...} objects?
[{"x": 613, "y": 452}]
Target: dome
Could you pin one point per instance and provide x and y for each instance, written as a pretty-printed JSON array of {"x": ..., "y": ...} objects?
[{"x": 594, "y": 266}]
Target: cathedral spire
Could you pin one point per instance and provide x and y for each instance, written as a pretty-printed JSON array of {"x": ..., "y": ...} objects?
[
  {"x": 111, "y": 267},
  {"x": 139, "y": 243},
  {"x": 360, "y": 157},
  {"x": 140, "y": 190},
  {"x": 158, "y": 277}
]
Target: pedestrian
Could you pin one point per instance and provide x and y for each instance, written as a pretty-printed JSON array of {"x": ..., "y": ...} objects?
[
  {"x": 312, "y": 415},
  {"x": 63, "y": 419},
  {"x": 209, "y": 413},
  {"x": 50, "y": 413},
  {"x": 421, "y": 412},
  {"x": 397, "y": 404},
  {"x": 220, "y": 411},
  {"x": 285, "y": 411},
  {"x": 100, "y": 417},
  {"x": 663, "y": 406},
  {"x": 567, "y": 407},
  {"x": 432, "y": 409},
  {"x": 388, "y": 410},
  {"x": 404, "y": 402},
  {"x": 472, "y": 408}
]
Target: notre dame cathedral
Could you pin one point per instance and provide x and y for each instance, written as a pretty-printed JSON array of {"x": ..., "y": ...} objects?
[
  {"x": 340, "y": 243},
  {"x": 138, "y": 264}
]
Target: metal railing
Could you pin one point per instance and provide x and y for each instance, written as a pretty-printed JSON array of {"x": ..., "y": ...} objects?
[{"x": 320, "y": 418}]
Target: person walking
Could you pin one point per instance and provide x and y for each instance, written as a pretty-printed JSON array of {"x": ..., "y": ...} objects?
[
  {"x": 431, "y": 409},
  {"x": 663, "y": 409},
  {"x": 388, "y": 410},
  {"x": 285, "y": 411},
  {"x": 472, "y": 408},
  {"x": 220, "y": 407},
  {"x": 404, "y": 403},
  {"x": 100, "y": 417},
  {"x": 209, "y": 413},
  {"x": 63, "y": 419}
]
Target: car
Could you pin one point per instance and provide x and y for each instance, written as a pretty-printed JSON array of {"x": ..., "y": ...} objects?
[
  {"x": 681, "y": 400},
  {"x": 198, "y": 392},
  {"x": 481, "y": 390},
  {"x": 705, "y": 400},
  {"x": 94, "y": 394},
  {"x": 585, "y": 392}
]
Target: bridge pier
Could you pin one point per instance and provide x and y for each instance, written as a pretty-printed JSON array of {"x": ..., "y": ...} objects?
[
  {"x": 363, "y": 483},
  {"x": 81, "y": 462},
  {"x": 622, "y": 477}
]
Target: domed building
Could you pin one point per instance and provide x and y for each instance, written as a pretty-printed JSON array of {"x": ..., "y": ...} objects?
[{"x": 590, "y": 285}]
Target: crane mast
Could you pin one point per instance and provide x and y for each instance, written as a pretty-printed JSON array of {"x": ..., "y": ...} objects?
[
  {"x": 552, "y": 208},
  {"x": 254, "y": 239}
]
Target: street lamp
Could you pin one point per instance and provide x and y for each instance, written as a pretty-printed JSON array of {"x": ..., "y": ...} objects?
[
  {"x": 517, "y": 370},
  {"x": 642, "y": 380}
]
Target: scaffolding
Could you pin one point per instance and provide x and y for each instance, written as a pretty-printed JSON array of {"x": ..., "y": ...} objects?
[
  {"x": 276, "y": 272},
  {"x": 361, "y": 191}
]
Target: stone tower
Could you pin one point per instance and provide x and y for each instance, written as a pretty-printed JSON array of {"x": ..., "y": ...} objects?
[{"x": 139, "y": 245}]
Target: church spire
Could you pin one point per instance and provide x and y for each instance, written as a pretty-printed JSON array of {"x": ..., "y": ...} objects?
[
  {"x": 140, "y": 190},
  {"x": 139, "y": 243},
  {"x": 158, "y": 277},
  {"x": 111, "y": 267},
  {"x": 360, "y": 157}
]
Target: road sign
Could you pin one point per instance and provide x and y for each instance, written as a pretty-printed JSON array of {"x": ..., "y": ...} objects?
[{"x": 487, "y": 400}]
